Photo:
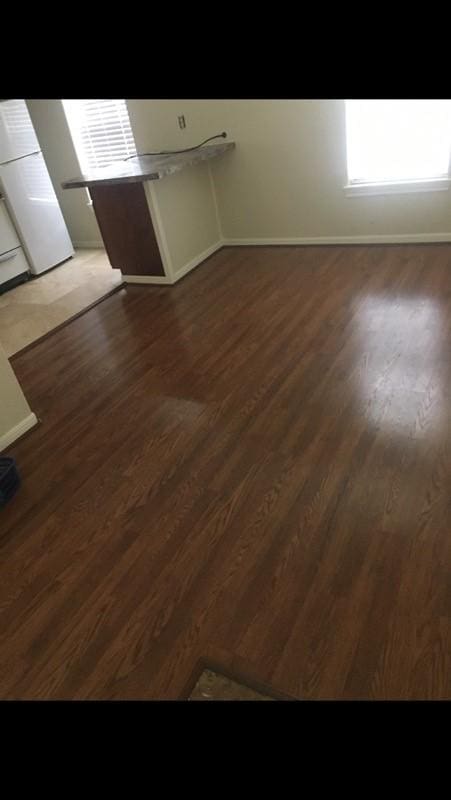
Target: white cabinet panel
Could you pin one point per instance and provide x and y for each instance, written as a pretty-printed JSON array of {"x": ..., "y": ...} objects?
[
  {"x": 12, "y": 264},
  {"x": 8, "y": 235}
]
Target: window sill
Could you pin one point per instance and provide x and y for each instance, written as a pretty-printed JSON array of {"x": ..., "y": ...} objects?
[{"x": 430, "y": 185}]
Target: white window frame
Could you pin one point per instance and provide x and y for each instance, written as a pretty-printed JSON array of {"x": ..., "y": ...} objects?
[
  {"x": 360, "y": 188},
  {"x": 398, "y": 187}
]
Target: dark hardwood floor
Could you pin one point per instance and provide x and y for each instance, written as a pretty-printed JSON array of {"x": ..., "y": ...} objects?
[{"x": 251, "y": 466}]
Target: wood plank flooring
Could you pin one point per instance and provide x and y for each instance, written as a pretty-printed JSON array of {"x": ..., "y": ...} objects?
[{"x": 252, "y": 466}]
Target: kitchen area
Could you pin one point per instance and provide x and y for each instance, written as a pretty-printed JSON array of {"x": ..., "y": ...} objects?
[
  {"x": 35, "y": 298},
  {"x": 134, "y": 213}
]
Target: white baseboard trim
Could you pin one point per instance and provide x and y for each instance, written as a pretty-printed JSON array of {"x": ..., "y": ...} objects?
[
  {"x": 164, "y": 279},
  {"x": 394, "y": 238},
  {"x": 18, "y": 430},
  {"x": 155, "y": 279},
  {"x": 89, "y": 245},
  {"x": 198, "y": 260}
]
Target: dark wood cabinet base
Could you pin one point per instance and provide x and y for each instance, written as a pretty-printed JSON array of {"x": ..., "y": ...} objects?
[{"x": 127, "y": 230}]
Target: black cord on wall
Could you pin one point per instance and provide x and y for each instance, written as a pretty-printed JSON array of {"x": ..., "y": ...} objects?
[{"x": 173, "y": 152}]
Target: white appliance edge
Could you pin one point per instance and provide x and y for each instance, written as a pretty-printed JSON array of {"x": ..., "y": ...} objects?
[{"x": 28, "y": 190}]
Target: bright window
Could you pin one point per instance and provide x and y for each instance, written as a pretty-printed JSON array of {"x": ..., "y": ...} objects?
[
  {"x": 398, "y": 141},
  {"x": 100, "y": 130}
]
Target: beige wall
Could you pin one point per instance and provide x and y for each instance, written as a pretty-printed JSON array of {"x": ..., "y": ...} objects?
[
  {"x": 285, "y": 179},
  {"x": 15, "y": 413},
  {"x": 183, "y": 203},
  {"x": 187, "y": 213},
  {"x": 54, "y": 137}
]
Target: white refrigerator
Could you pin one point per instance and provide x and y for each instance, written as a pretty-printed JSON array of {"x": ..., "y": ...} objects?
[{"x": 28, "y": 191}]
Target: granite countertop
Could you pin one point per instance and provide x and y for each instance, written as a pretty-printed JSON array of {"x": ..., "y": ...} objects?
[{"x": 147, "y": 168}]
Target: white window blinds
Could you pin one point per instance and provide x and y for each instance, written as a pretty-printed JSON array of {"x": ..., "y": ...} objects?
[
  {"x": 100, "y": 130},
  {"x": 397, "y": 140}
]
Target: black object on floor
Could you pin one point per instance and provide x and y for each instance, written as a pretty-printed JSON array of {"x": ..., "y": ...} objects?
[{"x": 9, "y": 480}]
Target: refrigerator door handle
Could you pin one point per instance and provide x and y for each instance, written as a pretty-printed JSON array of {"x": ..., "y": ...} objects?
[{"x": 7, "y": 257}]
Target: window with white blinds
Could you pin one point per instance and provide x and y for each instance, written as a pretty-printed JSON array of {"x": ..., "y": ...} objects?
[{"x": 100, "y": 130}]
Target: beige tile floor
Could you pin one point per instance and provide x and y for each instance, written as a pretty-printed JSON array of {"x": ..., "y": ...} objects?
[{"x": 34, "y": 308}]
